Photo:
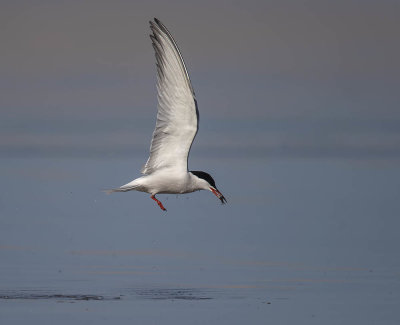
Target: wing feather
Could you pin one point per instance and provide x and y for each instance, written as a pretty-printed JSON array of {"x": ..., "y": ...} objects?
[{"x": 177, "y": 116}]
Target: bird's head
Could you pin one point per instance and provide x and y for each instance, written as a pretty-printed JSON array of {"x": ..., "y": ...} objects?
[{"x": 204, "y": 181}]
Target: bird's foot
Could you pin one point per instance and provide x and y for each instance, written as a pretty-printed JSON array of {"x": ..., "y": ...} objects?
[{"x": 159, "y": 203}]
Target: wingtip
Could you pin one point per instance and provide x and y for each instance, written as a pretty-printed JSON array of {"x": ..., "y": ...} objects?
[
  {"x": 160, "y": 25},
  {"x": 152, "y": 24},
  {"x": 155, "y": 21}
]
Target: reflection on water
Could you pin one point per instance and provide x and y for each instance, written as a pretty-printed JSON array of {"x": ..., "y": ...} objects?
[
  {"x": 173, "y": 293},
  {"x": 141, "y": 293},
  {"x": 42, "y": 295}
]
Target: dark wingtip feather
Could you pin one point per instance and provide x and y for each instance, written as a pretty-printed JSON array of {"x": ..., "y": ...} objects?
[
  {"x": 164, "y": 29},
  {"x": 158, "y": 23}
]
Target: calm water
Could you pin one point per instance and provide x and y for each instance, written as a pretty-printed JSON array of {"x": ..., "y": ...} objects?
[{"x": 299, "y": 242}]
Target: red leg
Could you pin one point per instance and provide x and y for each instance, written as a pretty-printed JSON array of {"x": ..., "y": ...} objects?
[{"x": 159, "y": 203}]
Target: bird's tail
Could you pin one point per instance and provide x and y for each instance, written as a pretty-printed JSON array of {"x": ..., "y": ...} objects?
[
  {"x": 124, "y": 188},
  {"x": 119, "y": 189},
  {"x": 109, "y": 191}
]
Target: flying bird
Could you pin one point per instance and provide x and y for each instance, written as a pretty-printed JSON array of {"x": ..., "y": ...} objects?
[{"x": 166, "y": 170}]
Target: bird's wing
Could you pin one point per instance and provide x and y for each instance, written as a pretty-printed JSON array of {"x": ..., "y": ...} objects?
[{"x": 178, "y": 116}]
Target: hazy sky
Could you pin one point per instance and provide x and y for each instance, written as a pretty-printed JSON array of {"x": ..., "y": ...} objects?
[{"x": 299, "y": 78}]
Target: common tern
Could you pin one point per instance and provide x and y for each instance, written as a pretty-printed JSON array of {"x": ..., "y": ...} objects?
[{"x": 166, "y": 170}]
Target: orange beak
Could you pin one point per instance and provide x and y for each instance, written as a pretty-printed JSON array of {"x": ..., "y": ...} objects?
[{"x": 218, "y": 194}]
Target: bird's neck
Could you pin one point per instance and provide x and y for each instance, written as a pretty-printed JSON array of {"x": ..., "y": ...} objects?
[{"x": 197, "y": 183}]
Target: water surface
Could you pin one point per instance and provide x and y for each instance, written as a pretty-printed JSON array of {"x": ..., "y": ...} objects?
[{"x": 305, "y": 241}]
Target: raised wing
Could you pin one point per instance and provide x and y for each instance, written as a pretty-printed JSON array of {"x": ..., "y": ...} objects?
[{"x": 177, "y": 117}]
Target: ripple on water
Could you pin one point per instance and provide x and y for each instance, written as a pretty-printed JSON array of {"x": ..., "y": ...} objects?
[
  {"x": 172, "y": 294},
  {"x": 45, "y": 295},
  {"x": 141, "y": 293}
]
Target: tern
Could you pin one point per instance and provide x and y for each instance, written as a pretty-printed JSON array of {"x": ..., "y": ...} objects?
[{"x": 166, "y": 170}]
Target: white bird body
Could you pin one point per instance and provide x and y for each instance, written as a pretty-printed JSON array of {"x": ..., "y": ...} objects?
[
  {"x": 166, "y": 181},
  {"x": 166, "y": 170}
]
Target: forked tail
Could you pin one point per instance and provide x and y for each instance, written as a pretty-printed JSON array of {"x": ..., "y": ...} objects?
[{"x": 120, "y": 189}]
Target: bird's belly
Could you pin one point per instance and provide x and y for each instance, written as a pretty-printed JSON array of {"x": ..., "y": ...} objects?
[
  {"x": 169, "y": 184},
  {"x": 174, "y": 190}
]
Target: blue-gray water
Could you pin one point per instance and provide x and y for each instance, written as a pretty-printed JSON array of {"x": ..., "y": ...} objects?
[{"x": 301, "y": 241}]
